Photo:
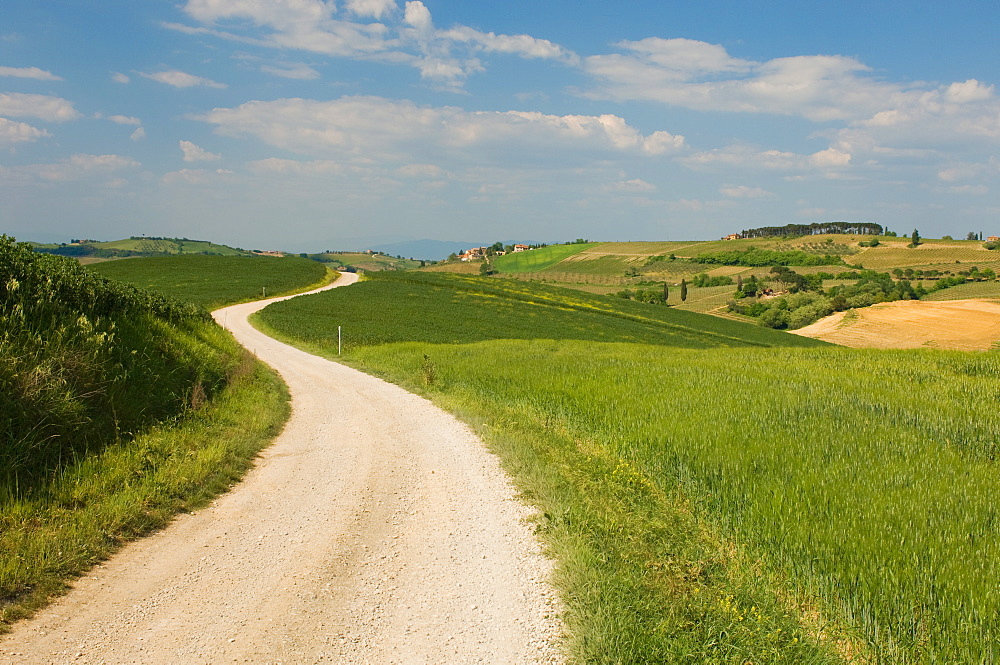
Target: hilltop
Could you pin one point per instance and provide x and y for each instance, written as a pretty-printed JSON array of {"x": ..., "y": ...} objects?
[{"x": 141, "y": 246}]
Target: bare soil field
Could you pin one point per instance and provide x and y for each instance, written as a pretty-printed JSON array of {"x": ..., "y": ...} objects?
[{"x": 966, "y": 325}]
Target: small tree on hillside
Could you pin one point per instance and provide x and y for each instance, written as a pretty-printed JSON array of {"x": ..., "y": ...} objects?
[
  {"x": 684, "y": 290},
  {"x": 666, "y": 292},
  {"x": 914, "y": 238}
]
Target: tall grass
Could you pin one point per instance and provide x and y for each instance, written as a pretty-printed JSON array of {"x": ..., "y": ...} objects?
[
  {"x": 85, "y": 361},
  {"x": 118, "y": 407}
]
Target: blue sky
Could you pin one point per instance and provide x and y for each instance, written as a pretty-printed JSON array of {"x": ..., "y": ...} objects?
[{"x": 307, "y": 125}]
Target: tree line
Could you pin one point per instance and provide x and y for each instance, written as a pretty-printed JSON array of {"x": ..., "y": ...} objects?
[{"x": 816, "y": 228}]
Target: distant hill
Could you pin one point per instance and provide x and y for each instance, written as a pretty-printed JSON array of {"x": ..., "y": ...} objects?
[
  {"x": 138, "y": 246},
  {"x": 435, "y": 250}
]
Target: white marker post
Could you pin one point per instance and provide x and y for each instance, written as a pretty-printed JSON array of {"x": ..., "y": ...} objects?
[{"x": 338, "y": 340}]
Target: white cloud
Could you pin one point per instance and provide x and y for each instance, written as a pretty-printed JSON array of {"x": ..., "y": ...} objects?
[
  {"x": 194, "y": 153},
  {"x": 297, "y": 72},
  {"x": 372, "y": 8},
  {"x": 744, "y": 157},
  {"x": 179, "y": 79},
  {"x": 79, "y": 166},
  {"x": 43, "y": 107},
  {"x": 524, "y": 45},
  {"x": 831, "y": 157},
  {"x": 444, "y": 57},
  {"x": 138, "y": 134},
  {"x": 18, "y": 132},
  {"x": 373, "y": 127},
  {"x": 418, "y": 16},
  {"x": 124, "y": 120},
  {"x": 29, "y": 73},
  {"x": 744, "y": 192},
  {"x": 698, "y": 75}
]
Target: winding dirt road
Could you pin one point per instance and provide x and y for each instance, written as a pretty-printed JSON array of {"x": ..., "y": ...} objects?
[{"x": 376, "y": 529}]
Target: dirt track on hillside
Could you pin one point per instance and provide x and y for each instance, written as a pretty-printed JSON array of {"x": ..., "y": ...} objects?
[
  {"x": 376, "y": 529},
  {"x": 967, "y": 325}
]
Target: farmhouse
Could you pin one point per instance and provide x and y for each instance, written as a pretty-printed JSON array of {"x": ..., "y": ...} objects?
[
  {"x": 521, "y": 248},
  {"x": 993, "y": 239},
  {"x": 732, "y": 236}
]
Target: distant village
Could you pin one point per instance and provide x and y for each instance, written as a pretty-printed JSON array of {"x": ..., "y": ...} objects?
[{"x": 482, "y": 252}]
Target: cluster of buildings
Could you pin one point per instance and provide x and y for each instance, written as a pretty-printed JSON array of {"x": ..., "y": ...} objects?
[{"x": 480, "y": 252}]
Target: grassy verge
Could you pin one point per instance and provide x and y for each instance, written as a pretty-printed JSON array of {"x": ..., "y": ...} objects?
[
  {"x": 133, "y": 487},
  {"x": 118, "y": 407}
]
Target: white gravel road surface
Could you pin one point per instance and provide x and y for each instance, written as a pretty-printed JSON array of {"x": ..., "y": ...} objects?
[{"x": 376, "y": 529}]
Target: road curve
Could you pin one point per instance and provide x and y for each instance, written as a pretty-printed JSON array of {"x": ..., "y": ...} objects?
[{"x": 375, "y": 529}]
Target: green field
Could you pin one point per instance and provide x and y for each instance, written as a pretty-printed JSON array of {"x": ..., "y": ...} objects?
[
  {"x": 439, "y": 308},
  {"x": 213, "y": 281},
  {"x": 967, "y": 291},
  {"x": 537, "y": 259},
  {"x": 716, "y": 504}
]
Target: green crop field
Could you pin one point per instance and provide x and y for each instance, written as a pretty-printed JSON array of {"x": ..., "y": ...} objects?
[
  {"x": 708, "y": 502},
  {"x": 441, "y": 308},
  {"x": 537, "y": 259},
  {"x": 213, "y": 281},
  {"x": 967, "y": 291}
]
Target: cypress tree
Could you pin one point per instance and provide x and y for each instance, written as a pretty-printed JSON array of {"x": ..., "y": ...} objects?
[{"x": 684, "y": 290}]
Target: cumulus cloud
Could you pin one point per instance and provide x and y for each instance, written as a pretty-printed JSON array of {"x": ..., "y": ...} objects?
[
  {"x": 831, "y": 157},
  {"x": 18, "y": 132},
  {"x": 124, "y": 120},
  {"x": 179, "y": 79},
  {"x": 375, "y": 127},
  {"x": 194, "y": 153},
  {"x": 29, "y": 73},
  {"x": 445, "y": 57},
  {"x": 138, "y": 134},
  {"x": 698, "y": 75},
  {"x": 372, "y": 8},
  {"x": 43, "y": 107},
  {"x": 118, "y": 77}
]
